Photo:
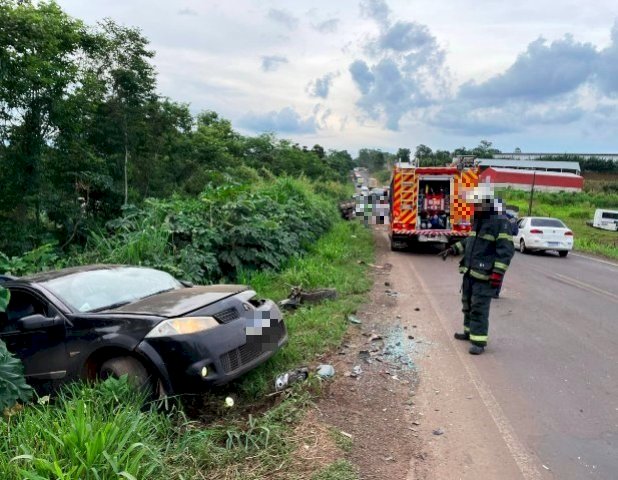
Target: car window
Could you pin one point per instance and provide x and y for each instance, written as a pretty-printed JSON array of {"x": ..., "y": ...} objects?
[
  {"x": 547, "y": 222},
  {"x": 22, "y": 304},
  {"x": 92, "y": 290},
  {"x": 521, "y": 222},
  {"x": 612, "y": 215}
]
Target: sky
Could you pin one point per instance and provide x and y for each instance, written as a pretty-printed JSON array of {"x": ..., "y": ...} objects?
[{"x": 538, "y": 75}]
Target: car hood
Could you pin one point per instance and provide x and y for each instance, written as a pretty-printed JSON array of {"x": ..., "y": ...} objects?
[{"x": 180, "y": 302}]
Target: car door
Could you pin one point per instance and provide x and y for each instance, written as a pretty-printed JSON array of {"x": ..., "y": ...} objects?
[{"x": 41, "y": 348}]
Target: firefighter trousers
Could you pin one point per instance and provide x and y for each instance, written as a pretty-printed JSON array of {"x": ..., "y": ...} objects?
[{"x": 476, "y": 298}]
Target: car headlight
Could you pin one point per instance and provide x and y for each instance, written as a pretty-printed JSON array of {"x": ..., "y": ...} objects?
[{"x": 182, "y": 326}]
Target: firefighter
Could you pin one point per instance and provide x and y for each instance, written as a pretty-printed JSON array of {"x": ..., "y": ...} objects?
[{"x": 487, "y": 252}]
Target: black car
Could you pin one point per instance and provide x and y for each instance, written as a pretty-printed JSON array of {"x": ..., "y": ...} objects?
[{"x": 108, "y": 320}]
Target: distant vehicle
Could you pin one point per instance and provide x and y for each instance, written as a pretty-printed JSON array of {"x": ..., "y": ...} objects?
[
  {"x": 605, "y": 219},
  {"x": 168, "y": 336},
  {"x": 425, "y": 203},
  {"x": 543, "y": 233}
]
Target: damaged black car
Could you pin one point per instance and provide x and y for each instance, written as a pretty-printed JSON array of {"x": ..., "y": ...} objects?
[{"x": 168, "y": 336}]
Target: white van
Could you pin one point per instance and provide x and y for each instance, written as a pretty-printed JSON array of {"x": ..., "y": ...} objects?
[{"x": 605, "y": 219}]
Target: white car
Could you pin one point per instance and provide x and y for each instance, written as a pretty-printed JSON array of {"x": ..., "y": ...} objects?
[{"x": 543, "y": 233}]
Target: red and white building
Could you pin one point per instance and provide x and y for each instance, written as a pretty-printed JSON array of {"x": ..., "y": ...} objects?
[{"x": 521, "y": 179}]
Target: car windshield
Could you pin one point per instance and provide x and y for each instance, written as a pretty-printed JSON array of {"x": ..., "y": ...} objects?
[
  {"x": 110, "y": 287},
  {"x": 547, "y": 222}
]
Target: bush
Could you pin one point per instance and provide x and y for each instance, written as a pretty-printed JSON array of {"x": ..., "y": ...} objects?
[{"x": 227, "y": 229}]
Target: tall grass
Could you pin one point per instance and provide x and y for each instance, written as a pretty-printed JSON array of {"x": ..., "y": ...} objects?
[{"x": 96, "y": 432}]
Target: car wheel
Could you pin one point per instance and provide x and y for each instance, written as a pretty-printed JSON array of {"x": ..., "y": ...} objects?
[
  {"x": 563, "y": 253},
  {"x": 134, "y": 369},
  {"x": 522, "y": 246}
]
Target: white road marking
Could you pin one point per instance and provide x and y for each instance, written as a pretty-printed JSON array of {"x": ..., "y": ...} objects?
[
  {"x": 525, "y": 462},
  {"x": 585, "y": 286},
  {"x": 595, "y": 259}
]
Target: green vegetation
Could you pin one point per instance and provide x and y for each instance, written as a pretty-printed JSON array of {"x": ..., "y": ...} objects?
[
  {"x": 84, "y": 132},
  {"x": 339, "y": 470},
  {"x": 574, "y": 209},
  {"x": 104, "y": 432}
]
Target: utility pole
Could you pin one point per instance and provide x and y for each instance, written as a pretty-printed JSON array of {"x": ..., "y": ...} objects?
[{"x": 531, "y": 194}]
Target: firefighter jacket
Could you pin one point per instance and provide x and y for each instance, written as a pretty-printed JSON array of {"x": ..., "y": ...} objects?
[{"x": 489, "y": 247}]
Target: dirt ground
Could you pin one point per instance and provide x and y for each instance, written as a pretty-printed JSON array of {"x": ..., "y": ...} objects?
[{"x": 414, "y": 411}]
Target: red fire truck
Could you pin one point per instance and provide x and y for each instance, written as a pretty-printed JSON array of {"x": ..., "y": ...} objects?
[{"x": 426, "y": 204}]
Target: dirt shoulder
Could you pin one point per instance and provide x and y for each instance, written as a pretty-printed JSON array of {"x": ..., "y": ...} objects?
[{"x": 415, "y": 411}]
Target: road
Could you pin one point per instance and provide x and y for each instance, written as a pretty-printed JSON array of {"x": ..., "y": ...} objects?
[{"x": 542, "y": 402}]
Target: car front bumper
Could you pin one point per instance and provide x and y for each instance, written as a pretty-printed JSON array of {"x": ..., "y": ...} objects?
[{"x": 192, "y": 363}]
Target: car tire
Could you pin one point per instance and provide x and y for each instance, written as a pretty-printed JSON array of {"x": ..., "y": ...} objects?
[
  {"x": 563, "y": 253},
  {"x": 131, "y": 367},
  {"x": 522, "y": 246}
]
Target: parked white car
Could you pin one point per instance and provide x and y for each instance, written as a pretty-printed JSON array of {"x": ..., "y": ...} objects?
[{"x": 543, "y": 233}]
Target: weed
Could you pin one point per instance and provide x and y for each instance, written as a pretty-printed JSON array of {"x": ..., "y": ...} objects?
[{"x": 344, "y": 442}]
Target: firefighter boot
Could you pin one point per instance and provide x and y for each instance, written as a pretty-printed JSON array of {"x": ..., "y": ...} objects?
[
  {"x": 462, "y": 336},
  {"x": 476, "y": 349}
]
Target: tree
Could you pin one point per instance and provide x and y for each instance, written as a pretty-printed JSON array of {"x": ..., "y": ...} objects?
[
  {"x": 403, "y": 155},
  {"x": 423, "y": 151},
  {"x": 40, "y": 48},
  {"x": 371, "y": 159}
]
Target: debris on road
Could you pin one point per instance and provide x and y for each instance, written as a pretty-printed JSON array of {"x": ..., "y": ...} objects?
[
  {"x": 298, "y": 296},
  {"x": 325, "y": 371},
  {"x": 438, "y": 431},
  {"x": 354, "y": 319},
  {"x": 356, "y": 371},
  {"x": 289, "y": 378}
]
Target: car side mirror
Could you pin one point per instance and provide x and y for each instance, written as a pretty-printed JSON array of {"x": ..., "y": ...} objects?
[
  {"x": 38, "y": 322},
  {"x": 187, "y": 284}
]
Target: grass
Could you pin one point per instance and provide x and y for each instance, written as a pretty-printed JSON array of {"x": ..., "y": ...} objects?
[
  {"x": 104, "y": 432},
  {"x": 339, "y": 470},
  {"x": 331, "y": 262},
  {"x": 574, "y": 209}
]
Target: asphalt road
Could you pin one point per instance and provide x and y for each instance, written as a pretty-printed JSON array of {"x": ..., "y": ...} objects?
[{"x": 552, "y": 360}]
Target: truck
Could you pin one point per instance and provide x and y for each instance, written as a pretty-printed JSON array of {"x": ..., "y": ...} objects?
[
  {"x": 426, "y": 204},
  {"x": 605, "y": 219}
]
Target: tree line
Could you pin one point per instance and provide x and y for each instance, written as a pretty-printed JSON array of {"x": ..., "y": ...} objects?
[{"x": 84, "y": 132}]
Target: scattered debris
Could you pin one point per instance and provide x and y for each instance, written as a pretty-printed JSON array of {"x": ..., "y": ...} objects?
[
  {"x": 374, "y": 337},
  {"x": 325, "y": 371},
  {"x": 345, "y": 434},
  {"x": 298, "y": 296},
  {"x": 416, "y": 423},
  {"x": 545, "y": 467},
  {"x": 387, "y": 284},
  {"x": 293, "y": 376},
  {"x": 229, "y": 402},
  {"x": 354, "y": 319},
  {"x": 410, "y": 337},
  {"x": 356, "y": 371},
  {"x": 392, "y": 293},
  {"x": 438, "y": 431},
  {"x": 416, "y": 309}
]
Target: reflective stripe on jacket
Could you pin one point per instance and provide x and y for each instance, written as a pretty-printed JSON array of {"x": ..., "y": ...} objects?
[{"x": 489, "y": 247}]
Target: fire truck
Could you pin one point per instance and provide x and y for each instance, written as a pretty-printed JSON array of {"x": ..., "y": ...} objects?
[{"x": 426, "y": 204}]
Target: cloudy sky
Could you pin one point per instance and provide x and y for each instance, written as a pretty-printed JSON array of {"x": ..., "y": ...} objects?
[{"x": 541, "y": 75}]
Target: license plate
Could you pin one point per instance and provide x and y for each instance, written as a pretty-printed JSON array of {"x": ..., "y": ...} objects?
[
  {"x": 433, "y": 238},
  {"x": 553, "y": 244}
]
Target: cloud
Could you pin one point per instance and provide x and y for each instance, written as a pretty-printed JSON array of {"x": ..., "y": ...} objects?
[
  {"x": 284, "y": 18},
  {"x": 404, "y": 36},
  {"x": 327, "y": 26},
  {"x": 270, "y": 63},
  {"x": 541, "y": 72},
  {"x": 405, "y": 71},
  {"x": 377, "y": 10},
  {"x": 607, "y": 66},
  {"x": 362, "y": 76},
  {"x": 188, "y": 12},
  {"x": 320, "y": 87},
  {"x": 286, "y": 120}
]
